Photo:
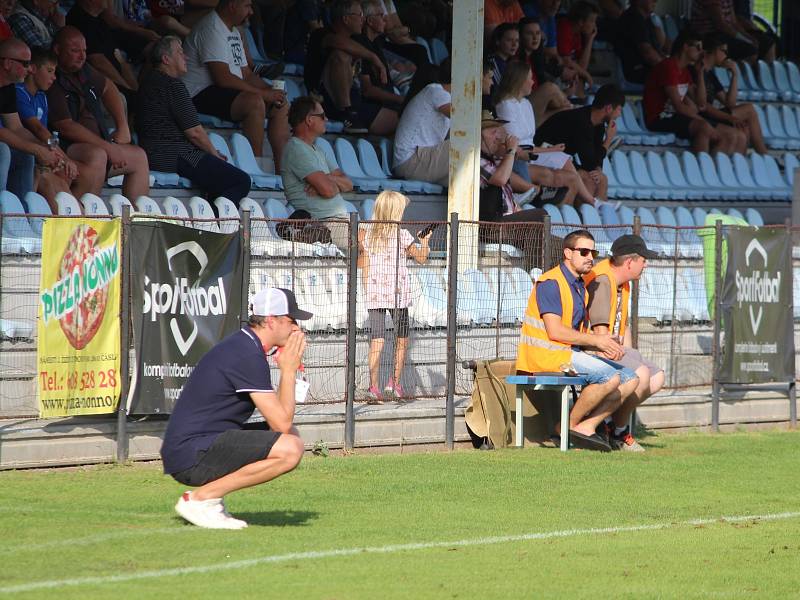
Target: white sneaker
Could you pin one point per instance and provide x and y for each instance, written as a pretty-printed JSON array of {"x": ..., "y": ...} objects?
[{"x": 210, "y": 514}]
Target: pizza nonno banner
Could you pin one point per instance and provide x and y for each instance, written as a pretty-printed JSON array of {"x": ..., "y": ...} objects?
[{"x": 79, "y": 318}]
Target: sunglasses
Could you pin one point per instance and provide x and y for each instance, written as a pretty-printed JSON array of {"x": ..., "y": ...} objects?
[
  {"x": 586, "y": 252},
  {"x": 321, "y": 115},
  {"x": 24, "y": 63}
]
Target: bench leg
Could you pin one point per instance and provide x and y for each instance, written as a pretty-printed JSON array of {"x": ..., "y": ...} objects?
[
  {"x": 565, "y": 392},
  {"x": 519, "y": 442}
]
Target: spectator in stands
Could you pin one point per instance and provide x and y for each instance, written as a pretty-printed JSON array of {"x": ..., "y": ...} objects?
[
  {"x": 6, "y": 8},
  {"x": 171, "y": 134},
  {"x": 718, "y": 16},
  {"x": 497, "y": 12},
  {"x": 554, "y": 339},
  {"x": 383, "y": 250},
  {"x": 608, "y": 291},
  {"x": 104, "y": 45},
  {"x": 330, "y": 71},
  {"x": 136, "y": 19},
  {"x": 169, "y": 12},
  {"x": 222, "y": 84},
  {"x": 576, "y": 33},
  {"x": 547, "y": 98},
  {"x": 667, "y": 104},
  {"x": 35, "y": 22},
  {"x": 767, "y": 41},
  {"x": 549, "y": 167},
  {"x": 399, "y": 38},
  {"x": 637, "y": 43},
  {"x": 19, "y": 149},
  {"x": 77, "y": 100},
  {"x": 504, "y": 46},
  {"x": 310, "y": 182},
  {"x": 302, "y": 17},
  {"x": 487, "y": 81},
  {"x": 421, "y": 147},
  {"x": 372, "y": 38},
  {"x": 588, "y": 133},
  {"x": 85, "y": 173},
  {"x": 719, "y": 106},
  {"x": 545, "y": 12}
]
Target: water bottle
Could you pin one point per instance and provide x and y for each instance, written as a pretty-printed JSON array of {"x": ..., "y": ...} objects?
[{"x": 53, "y": 142}]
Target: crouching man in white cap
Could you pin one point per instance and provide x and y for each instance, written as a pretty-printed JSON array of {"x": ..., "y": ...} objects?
[{"x": 208, "y": 444}]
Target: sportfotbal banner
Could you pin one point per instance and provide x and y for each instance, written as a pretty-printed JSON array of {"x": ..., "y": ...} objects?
[
  {"x": 79, "y": 318},
  {"x": 757, "y": 307},
  {"x": 186, "y": 286}
]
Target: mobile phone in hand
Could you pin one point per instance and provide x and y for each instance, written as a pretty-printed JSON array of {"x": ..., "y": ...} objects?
[{"x": 428, "y": 229}]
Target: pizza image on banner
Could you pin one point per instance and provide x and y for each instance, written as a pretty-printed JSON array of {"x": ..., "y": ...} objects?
[{"x": 79, "y": 318}]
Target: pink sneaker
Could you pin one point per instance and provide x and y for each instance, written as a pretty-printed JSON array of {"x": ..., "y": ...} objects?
[
  {"x": 393, "y": 390},
  {"x": 374, "y": 395}
]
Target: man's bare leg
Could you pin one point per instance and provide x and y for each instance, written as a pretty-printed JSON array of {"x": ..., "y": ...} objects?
[
  {"x": 337, "y": 77},
  {"x": 248, "y": 109},
  {"x": 91, "y": 162},
  {"x": 278, "y": 132}
]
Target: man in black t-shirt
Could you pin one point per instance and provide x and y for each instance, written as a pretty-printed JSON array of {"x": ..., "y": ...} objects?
[
  {"x": 170, "y": 131},
  {"x": 372, "y": 39},
  {"x": 208, "y": 443},
  {"x": 636, "y": 43},
  {"x": 16, "y": 167},
  {"x": 587, "y": 133}
]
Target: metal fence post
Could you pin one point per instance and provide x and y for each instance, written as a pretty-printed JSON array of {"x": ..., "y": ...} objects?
[
  {"x": 792, "y": 387},
  {"x": 352, "y": 288},
  {"x": 452, "y": 329},
  {"x": 716, "y": 353},
  {"x": 637, "y": 226},
  {"x": 245, "y": 235},
  {"x": 125, "y": 341}
]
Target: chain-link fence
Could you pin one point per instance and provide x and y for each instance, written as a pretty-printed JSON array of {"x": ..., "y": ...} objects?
[{"x": 400, "y": 326}]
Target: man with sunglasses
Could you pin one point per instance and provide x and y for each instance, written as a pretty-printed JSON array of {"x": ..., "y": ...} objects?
[
  {"x": 209, "y": 443},
  {"x": 608, "y": 288},
  {"x": 310, "y": 182},
  {"x": 555, "y": 338}
]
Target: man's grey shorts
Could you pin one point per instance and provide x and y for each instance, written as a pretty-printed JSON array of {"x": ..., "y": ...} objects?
[
  {"x": 598, "y": 369},
  {"x": 632, "y": 359}
]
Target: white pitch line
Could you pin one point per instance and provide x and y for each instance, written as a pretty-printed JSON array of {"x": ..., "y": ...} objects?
[{"x": 314, "y": 555}]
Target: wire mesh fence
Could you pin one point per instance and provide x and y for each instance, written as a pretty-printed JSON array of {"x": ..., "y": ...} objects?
[{"x": 400, "y": 318}]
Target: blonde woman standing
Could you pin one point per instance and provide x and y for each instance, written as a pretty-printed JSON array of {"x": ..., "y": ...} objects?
[{"x": 383, "y": 248}]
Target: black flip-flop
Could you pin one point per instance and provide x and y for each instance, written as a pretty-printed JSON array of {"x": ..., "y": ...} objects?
[{"x": 588, "y": 442}]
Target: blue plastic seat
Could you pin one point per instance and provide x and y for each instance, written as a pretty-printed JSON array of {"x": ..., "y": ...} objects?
[
  {"x": 769, "y": 84},
  {"x": 221, "y": 146},
  {"x": 626, "y": 215},
  {"x": 647, "y": 137},
  {"x": 571, "y": 216},
  {"x": 741, "y": 168},
  {"x": 556, "y": 220},
  {"x": 641, "y": 176},
  {"x": 699, "y": 216},
  {"x": 652, "y": 235},
  {"x": 718, "y": 188},
  {"x": 746, "y": 89},
  {"x": 777, "y": 129},
  {"x": 734, "y": 212},
  {"x": 609, "y": 216},
  {"x": 794, "y": 75},
  {"x": 753, "y": 217},
  {"x": 622, "y": 170},
  {"x": 215, "y": 122},
  {"x": 591, "y": 220},
  {"x": 679, "y": 181},
  {"x": 767, "y": 176},
  {"x": 422, "y": 42},
  {"x": 615, "y": 190},
  {"x": 782, "y": 82},
  {"x": 246, "y": 161},
  {"x": 21, "y": 235},
  {"x": 438, "y": 50},
  {"x": 372, "y": 168},
  {"x": 790, "y": 164},
  {"x": 347, "y": 159},
  {"x": 752, "y": 83},
  {"x": 685, "y": 219},
  {"x": 687, "y": 246},
  {"x": 367, "y": 209}
]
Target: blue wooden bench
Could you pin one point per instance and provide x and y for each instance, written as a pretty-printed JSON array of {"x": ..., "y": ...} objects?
[{"x": 543, "y": 381}]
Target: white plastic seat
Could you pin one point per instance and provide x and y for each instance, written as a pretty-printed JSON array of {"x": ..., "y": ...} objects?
[
  {"x": 21, "y": 235},
  {"x": 94, "y": 205},
  {"x": 246, "y": 161},
  {"x": 117, "y": 201},
  {"x": 37, "y": 205},
  {"x": 67, "y": 204},
  {"x": 201, "y": 209},
  {"x": 148, "y": 206},
  {"x": 226, "y": 209},
  {"x": 475, "y": 302},
  {"x": 176, "y": 208}
]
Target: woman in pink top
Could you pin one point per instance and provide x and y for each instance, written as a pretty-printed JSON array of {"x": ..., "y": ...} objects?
[{"x": 383, "y": 248}]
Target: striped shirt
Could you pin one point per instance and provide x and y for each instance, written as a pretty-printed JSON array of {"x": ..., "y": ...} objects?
[{"x": 165, "y": 111}]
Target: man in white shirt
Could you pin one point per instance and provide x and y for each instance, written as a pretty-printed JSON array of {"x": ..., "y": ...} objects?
[
  {"x": 421, "y": 147},
  {"x": 222, "y": 84}
]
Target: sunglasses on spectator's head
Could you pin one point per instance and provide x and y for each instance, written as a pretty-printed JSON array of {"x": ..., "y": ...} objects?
[{"x": 586, "y": 252}]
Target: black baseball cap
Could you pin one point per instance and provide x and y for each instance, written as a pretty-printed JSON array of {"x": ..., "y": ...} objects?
[{"x": 631, "y": 244}]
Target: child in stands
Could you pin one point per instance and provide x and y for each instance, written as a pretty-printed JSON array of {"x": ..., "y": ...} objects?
[{"x": 383, "y": 247}]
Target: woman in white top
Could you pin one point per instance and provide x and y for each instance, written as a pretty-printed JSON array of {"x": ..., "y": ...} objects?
[{"x": 550, "y": 166}]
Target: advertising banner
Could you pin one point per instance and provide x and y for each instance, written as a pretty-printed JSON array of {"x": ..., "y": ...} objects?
[
  {"x": 186, "y": 286},
  {"x": 757, "y": 307},
  {"x": 79, "y": 317}
]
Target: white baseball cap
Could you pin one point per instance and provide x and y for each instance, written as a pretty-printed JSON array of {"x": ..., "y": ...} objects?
[{"x": 276, "y": 302}]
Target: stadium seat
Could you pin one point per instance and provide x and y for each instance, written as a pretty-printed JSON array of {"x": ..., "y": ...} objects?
[
  {"x": 779, "y": 137},
  {"x": 615, "y": 190},
  {"x": 609, "y": 216},
  {"x": 221, "y": 146},
  {"x": 372, "y": 168},
  {"x": 624, "y": 176},
  {"x": 733, "y": 212},
  {"x": 741, "y": 168},
  {"x": 228, "y": 213},
  {"x": 749, "y": 77},
  {"x": 438, "y": 50},
  {"x": 367, "y": 209},
  {"x": 768, "y": 82},
  {"x": 626, "y": 215},
  {"x": 117, "y": 201},
  {"x": 790, "y": 164},
  {"x": 67, "y": 204},
  {"x": 254, "y": 206},
  {"x": 571, "y": 216},
  {"x": 685, "y": 220},
  {"x": 511, "y": 308},
  {"x": 246, "y": 161},
  {"x": 591, "y": 220},
  {"x": 653, "y": 235},
  {"x": 658, "y": 176},
  {"x": 782, "y": 81},
  {"x": 199, "y": 208},
  {"x": 719, "y": 188},
  {"x": 93, "y": 205},
  {"x": 176, "y": 208},
  {"x": 666, "y": 217},
  {"x": 422, "y": 42},
  {"x": 677, "y": 178},
  {"x": 699, "y": 216},
  {"x": 753, "y": 217},
  {"x": 348, "y": 161},
  {"x": 794, "y": 75},
  {"x": 36, "y": 205},
  {"x": 148, "y": 206},
  {"x": 475, "y": 301},
  {"x": 641, "y": 176},
  {"x": 429, "y": 298},
  {"x": 21, "y": 236},
  {"x": 635, "y": 129},
  {"x": 767, "y": 176},
  {"x": 162, "y": 179}
]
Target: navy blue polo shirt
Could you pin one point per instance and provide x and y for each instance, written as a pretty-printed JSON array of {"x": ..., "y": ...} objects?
[
  {"x": 548, "y": 297},
  {"x": 215, "y": 398}
]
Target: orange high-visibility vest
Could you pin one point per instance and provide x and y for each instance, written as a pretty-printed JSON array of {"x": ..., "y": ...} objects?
[
  {"x": 604, "y": 268},
  {"x": 537, "y": 353}
]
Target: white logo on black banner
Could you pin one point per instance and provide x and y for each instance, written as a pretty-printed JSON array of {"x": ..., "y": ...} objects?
[
  {"x": 184, "y": 298},
  {"x": 758, "y": 288}
]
